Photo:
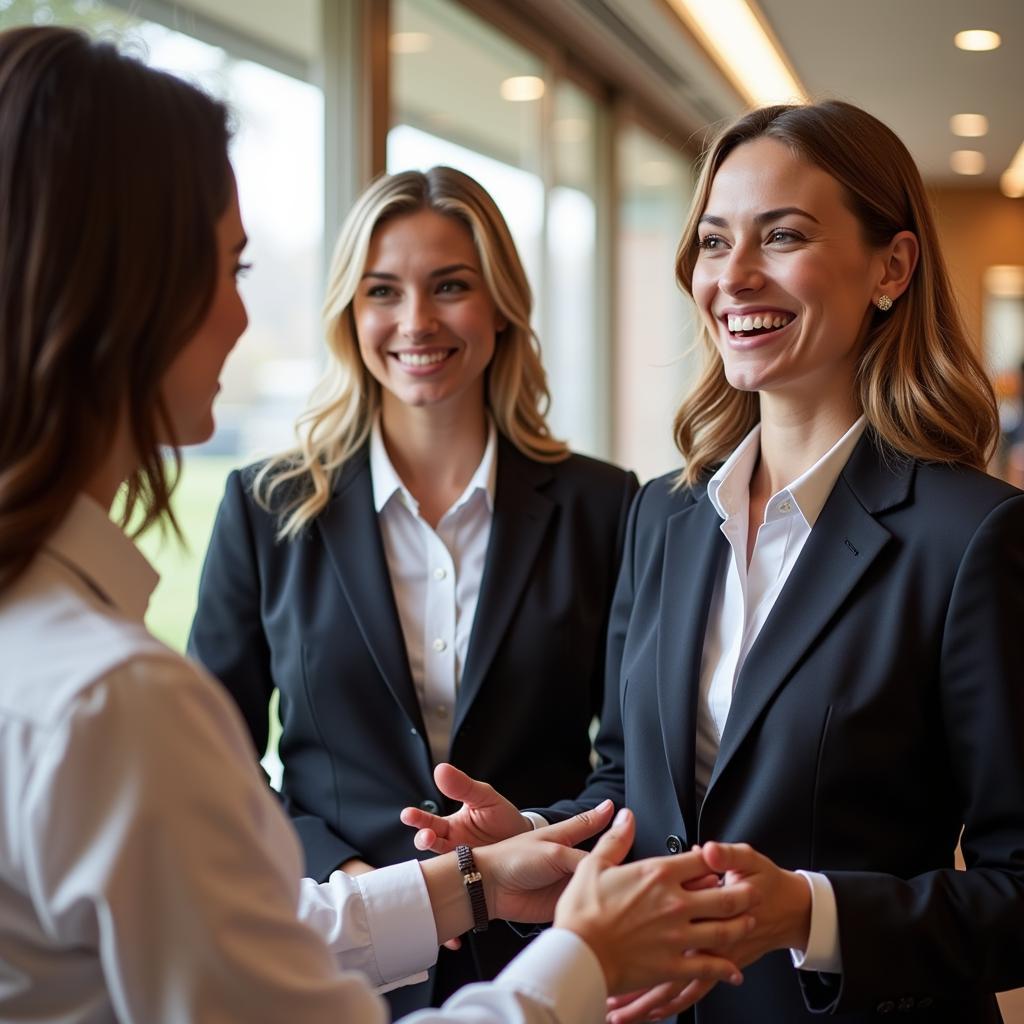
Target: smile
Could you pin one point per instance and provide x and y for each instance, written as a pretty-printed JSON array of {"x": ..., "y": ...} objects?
[
  {"x": 431, "y": 358},
  {"x": 746, "y": 325}
]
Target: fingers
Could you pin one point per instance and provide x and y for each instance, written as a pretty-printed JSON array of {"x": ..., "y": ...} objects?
[
  {"x": 453, "y": 944},
  {"x": 582, "y": 826},
  {"x": 635, "y": 1006},
  {"x": 683, "y": 1000},
  {"x": 721, "y": 902},
  {"x": 613, "y": 846},
  {"x": 723, "y": 857},
  {"x": 457, "y": 785}
]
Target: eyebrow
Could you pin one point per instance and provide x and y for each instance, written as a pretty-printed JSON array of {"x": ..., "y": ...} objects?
[
  {"x": 440, "y": 272},
  {"x": 761, "y": 218}
]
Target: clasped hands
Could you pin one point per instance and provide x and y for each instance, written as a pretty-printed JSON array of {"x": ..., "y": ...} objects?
[{"x": 666, "y": 930}]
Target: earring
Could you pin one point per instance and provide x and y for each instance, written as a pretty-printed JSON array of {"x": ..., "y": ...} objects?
[{"x": 884, "y": 303}]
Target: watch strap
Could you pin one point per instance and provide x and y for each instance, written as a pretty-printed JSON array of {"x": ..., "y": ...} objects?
[{"x": 474, "y": 884}]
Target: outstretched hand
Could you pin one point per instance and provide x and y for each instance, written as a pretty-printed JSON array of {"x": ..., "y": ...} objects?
[
  {"x": 643, "y": 922},
  {"x": 484, "y": 817}
]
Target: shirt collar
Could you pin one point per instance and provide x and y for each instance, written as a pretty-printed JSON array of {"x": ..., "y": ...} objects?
[
  {"x": 809, "y": 491},
  {"x": 387, "y": 483},
  {"x": 98, "y": 551}
]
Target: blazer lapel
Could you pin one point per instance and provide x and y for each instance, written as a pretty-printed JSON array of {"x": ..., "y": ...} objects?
[
  {"x": 351, "y": 535},
  {"x": 521, "y": 517},
  {"x": 694, "y": 547},
  {"x": 845, "y": 540}
]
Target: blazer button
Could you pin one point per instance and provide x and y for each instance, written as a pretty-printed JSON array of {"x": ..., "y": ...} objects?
[
  {"x": 906, "y": 1004},
  {"x": 673, "y": 844},
  {"x": 925, "y": 1002},
  {"x": 887, "y": 1006},
  {"x": 430, "y": 806}
]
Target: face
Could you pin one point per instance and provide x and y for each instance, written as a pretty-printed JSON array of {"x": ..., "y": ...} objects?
[
  {"x": 783, "y": 279},
  {"x": 193, "y": 378},
  {"x": 425, "y": 319}
]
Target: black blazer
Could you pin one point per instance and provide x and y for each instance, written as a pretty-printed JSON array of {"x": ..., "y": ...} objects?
[
  {"x": 316, "y": 618},
  {"x": 880, "y": 708}
]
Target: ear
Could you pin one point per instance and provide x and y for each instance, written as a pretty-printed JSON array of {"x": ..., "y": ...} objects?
[
  {"x": 899, "y": 260},
  {"x": 500, "y": 321}
]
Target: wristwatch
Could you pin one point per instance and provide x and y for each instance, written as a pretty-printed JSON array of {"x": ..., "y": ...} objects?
[{"x": 474, "y": 887}]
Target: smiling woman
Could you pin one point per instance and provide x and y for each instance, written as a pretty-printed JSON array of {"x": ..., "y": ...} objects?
[{"x": 428, "y": 559}]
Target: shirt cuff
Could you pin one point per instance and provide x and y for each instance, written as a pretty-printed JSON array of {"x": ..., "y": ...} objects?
[
  {"x": 822, "y": 953},
  {"x": 401, "y": 923},
  {"x": 536, "y": 820},
  {"x": 560, "y": 971}
]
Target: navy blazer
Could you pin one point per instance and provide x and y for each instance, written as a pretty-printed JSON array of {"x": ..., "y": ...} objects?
[
  {"x": 880, "y": 709},
  {"x": 316, "y": 618}
]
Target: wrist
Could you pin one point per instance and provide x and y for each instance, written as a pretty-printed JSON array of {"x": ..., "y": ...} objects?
[
  {"x": 473, "y": 881},
  {"x": 798, "y": 918}
]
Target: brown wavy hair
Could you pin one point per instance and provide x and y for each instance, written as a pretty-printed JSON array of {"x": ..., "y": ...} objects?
[
  {"x": 921, "y": 386},
  {"x": 112, "y": 179},
  {"x": 297, "y": 484}
]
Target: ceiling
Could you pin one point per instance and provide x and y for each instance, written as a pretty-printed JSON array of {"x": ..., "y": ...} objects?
[{"x": 896, "y": 58}]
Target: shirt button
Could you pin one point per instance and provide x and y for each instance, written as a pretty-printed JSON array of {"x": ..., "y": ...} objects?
[
  {"x": 442, "y": 710},
  {"x": 785, "y": 506},
  {"x": 439, "y": 574},
  {"x": 439, "y": 645}
]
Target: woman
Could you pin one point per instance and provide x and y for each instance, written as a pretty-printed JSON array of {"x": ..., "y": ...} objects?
[
  {"x": 146, "y": 873},
  {"x": 814, "y": 640},
  {"x": 428, "y": 575}
]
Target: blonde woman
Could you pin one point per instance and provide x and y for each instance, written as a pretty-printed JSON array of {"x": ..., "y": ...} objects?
[
  {"x": 427, "y": 576},
  {"x": 815, "y": 641}
]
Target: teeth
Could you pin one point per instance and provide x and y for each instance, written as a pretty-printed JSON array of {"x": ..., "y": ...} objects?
[
  {"x": 757, "y": 321},
  {"x": 421, "y": 358}
]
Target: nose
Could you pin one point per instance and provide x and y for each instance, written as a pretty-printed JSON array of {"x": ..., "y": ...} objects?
[
  {"x": 741, "y": 272},
  {"x": 418, "y": 317}
]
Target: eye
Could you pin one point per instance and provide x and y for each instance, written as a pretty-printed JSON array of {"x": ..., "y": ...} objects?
[
  {"x": 711, "y": 243},
  {"x": 452, "y": 286},
  {"x": 781, "y": 236},
  {"x": 379, "y": 291},
  {"x": 241, "y": 269}
]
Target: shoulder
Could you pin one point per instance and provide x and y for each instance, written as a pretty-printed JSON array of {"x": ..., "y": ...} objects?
[
  {"x": 663, "y": 497},
  {"x": 576, "y": 476}
]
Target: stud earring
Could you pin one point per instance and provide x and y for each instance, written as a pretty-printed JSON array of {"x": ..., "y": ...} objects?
[{"x": 884, "y": 303}]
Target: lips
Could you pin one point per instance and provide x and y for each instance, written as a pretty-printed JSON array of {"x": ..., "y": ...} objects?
[{"x": 752, "y": 323}]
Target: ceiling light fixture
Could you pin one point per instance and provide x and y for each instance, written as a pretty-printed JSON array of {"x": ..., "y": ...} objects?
[
  {"x": 522, "y": 88},
  {"x": 738, "y": 39},
  {"x": 969, "y": 126},
  {"x": 977, "y": 39},
  {"x": 404, "y": 43},
  {"x": 967, "y": 161},
  {"x": 1011, "y": 181}
]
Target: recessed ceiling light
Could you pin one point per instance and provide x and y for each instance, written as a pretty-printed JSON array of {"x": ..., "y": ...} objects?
[
  {"x": 969, "y": 126},
  {"x": 522, "y": 88},
  {"x": 977, "y": 39},
  {"x": 403, "y": 43},
  {"x": 967, "y": 161}
]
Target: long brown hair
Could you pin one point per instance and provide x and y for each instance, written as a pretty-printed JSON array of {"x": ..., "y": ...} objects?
[
  {"x": 296, "y": 484},
  {"x": 112, "y": 178},
  {"x": 921, "y": 386}
]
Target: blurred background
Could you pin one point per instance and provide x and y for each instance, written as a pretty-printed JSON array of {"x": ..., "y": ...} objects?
[{"x": 584, "y": 118}]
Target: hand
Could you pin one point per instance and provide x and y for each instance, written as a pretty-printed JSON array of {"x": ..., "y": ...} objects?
[
  {"x": 484, "y": 817},
  {"x": 783, "y": 899},
  {"x": 644, "y": 925},
  {"x": 525, "y": 875},
  {"x": 355, "y": 866}
]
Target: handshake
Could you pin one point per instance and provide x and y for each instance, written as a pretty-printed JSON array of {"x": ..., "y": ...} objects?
[{"x": 664, "y": 930}]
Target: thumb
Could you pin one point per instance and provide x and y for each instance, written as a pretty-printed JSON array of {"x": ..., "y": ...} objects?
[
  {"x": 613, "y": 846},
  {"x": 457, "y": 785},
  {"x": 722, "y": 857},
  {"x": 581, "y": 826}
]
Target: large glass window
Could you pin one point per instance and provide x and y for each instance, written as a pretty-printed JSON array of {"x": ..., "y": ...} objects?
[
  {"x": 654, "y": 357},
  {"x": 277, "y": 153}
]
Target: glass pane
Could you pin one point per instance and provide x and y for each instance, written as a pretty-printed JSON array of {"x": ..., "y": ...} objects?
[
  {"x": 570, "y": 330},
  {"x": 277, "y": 154},
  {"x": 654, "y": 363}
]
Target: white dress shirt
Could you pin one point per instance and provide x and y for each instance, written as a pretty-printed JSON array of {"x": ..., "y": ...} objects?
[
  {"x": 147, "y": 873},
  {"x": 435, "y": 577},
  {"x": 743, "y": 598}
]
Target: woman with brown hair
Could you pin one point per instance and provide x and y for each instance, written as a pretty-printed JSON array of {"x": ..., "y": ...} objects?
[
  {"x": 427, "y": 575},
  {"x": 146, "y": 873},
  {"x": 814, "y": 646}
]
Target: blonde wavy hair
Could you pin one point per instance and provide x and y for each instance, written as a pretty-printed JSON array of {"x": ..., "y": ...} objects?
[
  {"x": 921, "y": 386},
  {"x": 296, "y": 485}
]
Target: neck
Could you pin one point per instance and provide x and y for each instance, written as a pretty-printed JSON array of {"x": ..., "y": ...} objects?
[
  {"x": 795, "y": 435},
  {"x": 435, "y": 450},
  {"x": 102, "y": 486}
]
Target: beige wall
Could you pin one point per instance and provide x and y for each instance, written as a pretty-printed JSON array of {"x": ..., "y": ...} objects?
[{"x": 979, "y": 228}]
